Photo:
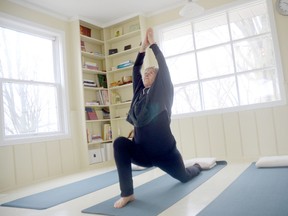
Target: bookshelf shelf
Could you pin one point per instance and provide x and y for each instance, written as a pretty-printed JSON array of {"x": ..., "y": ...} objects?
[
  {"x": 120, "y": 69},
  {"x": 120, "y": 105},
  {"x": 92, "y": 55},
  {"x": 119, "y": 118},
  {"x": 123, "y": 53},
  {"x": 98, "y": 120},
  {"x": 93, "y": 88},
  {"x": 91, "y": 40},
  {"x": 100, "y": 142},
  {"x": 90, "y": 71},
  {"x": 124, "y": 36},
  {"x": 97, "y": 106},
  {"x": 121, "y": 86}
]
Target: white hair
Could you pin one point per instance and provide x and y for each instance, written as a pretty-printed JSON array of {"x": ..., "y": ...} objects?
[{"x": 149, "y": 68}]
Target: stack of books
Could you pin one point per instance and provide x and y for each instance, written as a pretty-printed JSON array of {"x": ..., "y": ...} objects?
[
  {"x": 91, "y": 65},
  {"x": 89, "y": 83},
  {"x": 92, "y": 103},
  {"x": 98, "y": 54},
  {"x": 96, "y": 138},
  {"x": 125, "y": 64}
]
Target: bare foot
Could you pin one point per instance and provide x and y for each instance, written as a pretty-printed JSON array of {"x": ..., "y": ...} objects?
[{"x": 123, "y": 201}]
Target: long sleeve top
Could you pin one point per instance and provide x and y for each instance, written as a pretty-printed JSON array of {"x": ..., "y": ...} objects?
[{"x": 146, "y": 105}]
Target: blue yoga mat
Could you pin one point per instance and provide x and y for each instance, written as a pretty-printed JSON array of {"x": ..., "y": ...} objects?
[
  {"x": 256, "y": 192},
  {"x": 155, "y": 196},
  {"x": 50, "y": 198}
]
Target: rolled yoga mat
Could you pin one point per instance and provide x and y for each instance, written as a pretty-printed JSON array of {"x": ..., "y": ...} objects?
[
  {"x": 256, "y": 192},
  {"x": 155, "y": 196},
  {"x": 53, "y": 197}
]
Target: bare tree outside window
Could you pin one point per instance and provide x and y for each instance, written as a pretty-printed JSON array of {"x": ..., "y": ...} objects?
[{"x": 29, "y": 85}]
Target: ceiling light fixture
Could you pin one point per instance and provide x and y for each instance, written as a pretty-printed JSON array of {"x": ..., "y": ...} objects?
[{"x": 191, "y": 9}]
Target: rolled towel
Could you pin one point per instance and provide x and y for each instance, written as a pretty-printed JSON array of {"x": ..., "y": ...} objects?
[
  {"x": 205, "y": 163},
  {"x": 272, "y": 161},
  {"x": 137, "y": 168}
]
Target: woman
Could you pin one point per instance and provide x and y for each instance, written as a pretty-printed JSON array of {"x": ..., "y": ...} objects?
[{"x": 153, "y": 143}]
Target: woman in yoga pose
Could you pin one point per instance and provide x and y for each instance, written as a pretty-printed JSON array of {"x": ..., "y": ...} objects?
[{"x": 153, "y": 143}]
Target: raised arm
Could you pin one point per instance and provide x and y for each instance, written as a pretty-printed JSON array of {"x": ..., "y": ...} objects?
[
  {"x": 137, "y": 78},
  {"x": 163, "y": 74}
]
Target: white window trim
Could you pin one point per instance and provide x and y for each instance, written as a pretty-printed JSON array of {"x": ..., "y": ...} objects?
[
  {"x": 63, "y": 101},
  {"x": 278, "y": 60}
]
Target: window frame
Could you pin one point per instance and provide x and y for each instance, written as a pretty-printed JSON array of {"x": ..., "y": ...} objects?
[
  {"x": 60, "y": 83},
  {"x": 277, "y": 54}
]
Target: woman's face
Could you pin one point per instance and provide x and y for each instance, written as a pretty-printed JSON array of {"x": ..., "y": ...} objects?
[{"x": 149, "y": 77}]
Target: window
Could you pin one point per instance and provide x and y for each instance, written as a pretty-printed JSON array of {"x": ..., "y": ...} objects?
[
  {"x": 225, "y": 60},
  {"x": 33, "y": 105}
]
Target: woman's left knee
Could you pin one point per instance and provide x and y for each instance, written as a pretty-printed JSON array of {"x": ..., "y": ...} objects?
[{"x": 120, "y": 142}]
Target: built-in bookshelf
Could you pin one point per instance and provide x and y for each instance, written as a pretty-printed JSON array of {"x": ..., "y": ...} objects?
[
  {"x": 107, "y": 59},
  {"x": 95, "y": 93}
]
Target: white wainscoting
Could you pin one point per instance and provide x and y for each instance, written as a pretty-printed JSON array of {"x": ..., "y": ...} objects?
[{"x": 234, "y": 136}]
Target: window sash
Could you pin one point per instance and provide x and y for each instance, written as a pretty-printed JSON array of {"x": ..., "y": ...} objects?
[
  {"x": 51, "y": 89},
  {"x": 213, "y": 83}
]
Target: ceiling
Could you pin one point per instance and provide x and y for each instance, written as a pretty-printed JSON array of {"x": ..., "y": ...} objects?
[{"x": 103, "y": 12}]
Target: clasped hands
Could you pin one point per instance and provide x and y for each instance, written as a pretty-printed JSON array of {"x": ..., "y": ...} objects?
[{"x": 148, "y": 40}]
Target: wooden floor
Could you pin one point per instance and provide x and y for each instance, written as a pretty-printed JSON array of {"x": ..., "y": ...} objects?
[{"x": 190, "y": 205}]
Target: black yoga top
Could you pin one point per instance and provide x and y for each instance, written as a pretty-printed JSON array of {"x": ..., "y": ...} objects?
[
  {"x": 150, "y": 111},
  {"x": 148, "y": 103}
]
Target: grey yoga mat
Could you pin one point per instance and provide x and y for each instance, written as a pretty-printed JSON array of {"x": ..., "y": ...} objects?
[
  {"x": 256, "y": 192},
  {"x": 49, "y": 198},
  {"x": 155, "y": 196}
]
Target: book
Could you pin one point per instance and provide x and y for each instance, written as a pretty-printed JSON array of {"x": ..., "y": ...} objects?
[
  {"x": 90, "y": 113},
  {"x": 88, "y": 136},
  {"x": 98, "y": 54},
  {"x": 92, "y": 116},
  {"x": 102, "y": 80},
  {"x": 105, "y": 97},
  {"x": 91, "y": 66},
  {"x": 107, "y": 132},
  {"x": 106, "y": 113},
  {"x": 89, "y": 83},
  {"x": 92, "y": 103},
  {"x": 102, "y": 97},
  {"x": 99, "y": 98},
  {"x": 85, "y": 31},
  {"x": 125, "y": 64},
  {"x": 83, "y": 48}
]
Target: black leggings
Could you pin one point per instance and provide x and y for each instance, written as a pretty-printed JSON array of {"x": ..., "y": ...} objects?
[{"x": 127, "y": 152}]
